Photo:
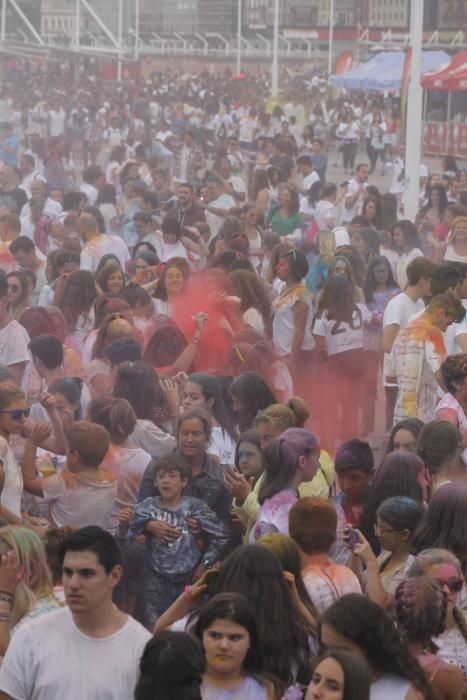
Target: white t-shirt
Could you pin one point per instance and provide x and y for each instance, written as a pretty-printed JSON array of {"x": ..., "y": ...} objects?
[
  {"x": 309, "y": 180},
  {"x": 352, "y": 189},
  {"x": 401, "y": 266},
  {"x": 390, "y": 686},
  {"x": 14, "y": 341},
  {"x": 225, "y": 201},
  {"x": 222, "y": 446},
  {"x": 10, "y": 496},
  {"x": 96, "y": 248},
  {"x": 399, "y": 311},
  {"x": 78, "y": 500},
  {"x": 237, "y": 184},
  {"x": 50, "y": 657},
  {"x": 173, "y": 250},
  {"x": 418, "y": 353},
  {"x": 325, "y": 215},
  {"x": 90, "y": 191},
  {"x": 152, "y": 439},
  {"x": 283, "y": 326},
  {"x": 342, "y": 336},
  {"x": 57, "y": 122}
]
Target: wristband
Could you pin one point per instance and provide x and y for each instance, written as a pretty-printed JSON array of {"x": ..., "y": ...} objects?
[
  {"x": 6, "y": 597},
  {"x": 188, "y": 594}
]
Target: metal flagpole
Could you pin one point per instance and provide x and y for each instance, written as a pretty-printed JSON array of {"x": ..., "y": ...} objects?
[
  {"x": 239, "y": 36},
  {"x": 275, "y": 52},
  {"x": 414, "y": 114},
  {"x": 120, "y": 39},
  {"x": 331, "y": 36}
]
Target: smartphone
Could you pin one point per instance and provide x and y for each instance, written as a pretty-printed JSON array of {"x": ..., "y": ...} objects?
[
  {"x": 344, "y": 184},
  {"x": 352, "y": 537}
]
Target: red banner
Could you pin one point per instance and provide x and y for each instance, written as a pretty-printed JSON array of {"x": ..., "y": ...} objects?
[{"x": 443, "y": 138}]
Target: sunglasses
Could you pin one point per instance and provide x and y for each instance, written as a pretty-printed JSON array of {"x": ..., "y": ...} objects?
[
  {"x": 18, "y": 413},
  {"x": 13, "y": 288},
  {"x": 455, "y": 585}
]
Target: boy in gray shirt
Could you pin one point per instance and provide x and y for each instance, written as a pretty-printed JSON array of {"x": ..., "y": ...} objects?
[{"x": 173, "y": 549}]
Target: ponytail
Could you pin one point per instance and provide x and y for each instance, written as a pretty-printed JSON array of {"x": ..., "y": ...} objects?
[
  {"x": 115, "y": 415},
  {"x": 300, "y": 410}
]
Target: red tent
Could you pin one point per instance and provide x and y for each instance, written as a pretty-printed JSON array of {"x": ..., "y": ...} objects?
[
  {"x": 451, "y": 77},
  {"x": 458, "y": 79}
]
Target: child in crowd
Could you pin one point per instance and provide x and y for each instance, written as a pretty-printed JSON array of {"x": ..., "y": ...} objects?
[
  {"x": 313, "y": 527},
  {"x": 85, "y": 493},
  {"x": 174, "y": 553},
  {"x": 354, "y": 469}
]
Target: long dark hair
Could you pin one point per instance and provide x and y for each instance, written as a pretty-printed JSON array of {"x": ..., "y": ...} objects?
[
  {"x": 338, "y": 300},
  {"x": 357, "y": 673},
  {"x": 288, "y": 554},
  {"x": 445, "y": 523},
  {"x": 378, "y": 220},
  {"x": 251, "y": 290},
  {"x": 366, "y": 625},
  {"x": 139, "y": 384},
  {"x": 438, "y": 443},
  {"x": 411, "y": 238},
  {"x": 282, "y": 455},
  {"x": 253, "y": 394},
  {"x": 236, "y": 608},
  {"x": 443, "y": 199},
  {"x": 172, "y": 666},
  {"x": 412, "y": 425},
  {"x": 397, "y": 476},
  {"x": 421, "y": 607},
  {"x": 370, "y": 281},
  {"x": 76, "y": 297},
  {"x": 211, "y": 390},
  {"x": 71, "y": 388},
  {"x": 256, "y": 573},
  {"x": 165, "y": 346},
  {"x": 315, "y": 193}
]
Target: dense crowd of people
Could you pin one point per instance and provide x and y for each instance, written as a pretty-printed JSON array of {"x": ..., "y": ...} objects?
[{"x": 200, "y": 338}]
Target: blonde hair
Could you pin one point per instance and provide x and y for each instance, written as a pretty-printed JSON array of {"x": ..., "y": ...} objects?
[
  {"x": 36, "y": 582},
  {"x": 293, "y": 414},
  {"x": 456, "y": 221},
  {"x": 8, "y": 394},
  {"x": 119, "y": 328},
  {"x": 326, "y": 242}
]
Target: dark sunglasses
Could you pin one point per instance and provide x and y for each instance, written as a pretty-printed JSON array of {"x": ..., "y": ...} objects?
[
  {"x": 13, "y": 288},
  {"x": 455, "y": 585},
  {"x": 18, "y": 413}
]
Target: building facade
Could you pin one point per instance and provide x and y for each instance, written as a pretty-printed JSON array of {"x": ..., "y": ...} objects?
[
  {"x": 388, "y": 14},
  {"x": 58, "y": 19}
]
